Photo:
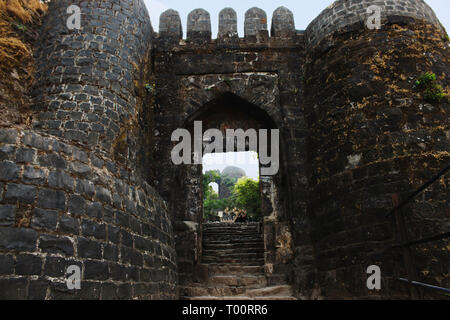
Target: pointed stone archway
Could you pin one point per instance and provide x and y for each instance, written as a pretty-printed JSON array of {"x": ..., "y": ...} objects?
[{"x": 235, "y": 101}]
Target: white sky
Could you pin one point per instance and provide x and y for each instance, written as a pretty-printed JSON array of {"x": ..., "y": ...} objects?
[
  {"x": 304, "y": 10},
  {"x": 248, "y": 161}
]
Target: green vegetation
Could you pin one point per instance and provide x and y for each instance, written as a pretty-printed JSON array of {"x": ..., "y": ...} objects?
[
  {"x": 245, "y": 197},
  {"x": 248, "y": 196},
  {"x": 227, "y": 81},
  {"x": 431, "y": 91},
  {"x": 150, "y": 87},
  {"x": 21, "y": 27},
  {"x": 209, "y": 177},
  {"x": 212, "y": 205}
]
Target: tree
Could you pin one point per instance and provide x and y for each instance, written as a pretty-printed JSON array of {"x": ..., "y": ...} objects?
[
  {"x": 209, "y": 177},
  {"x": 245, "y": 195},
  {"x": 248, "y": 196},
  {"x": 212, "y": 204}
]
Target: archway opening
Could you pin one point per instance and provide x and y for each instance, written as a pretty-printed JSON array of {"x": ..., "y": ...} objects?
[{"x": 206, "y": 247}]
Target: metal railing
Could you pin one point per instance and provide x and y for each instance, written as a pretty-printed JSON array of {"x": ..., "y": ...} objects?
[{"x": 405, "y": 244}]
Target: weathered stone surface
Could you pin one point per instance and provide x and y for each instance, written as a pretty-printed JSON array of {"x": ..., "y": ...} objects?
[
  {"x": 93, "y": 229},
  {"x": 76, "y": 205},
  {"x": 57, "y": 266},
  {"x": 7, "y": 215},
  {"x": 255, "y": 22},
  {"x": 223, "y": 278},
  {"x": 227, "y": 23},
  {"x": 75, "y": 171},
  {"x": 37, "y": 289},
  {"x": 25, "y": 155},
  {"x": 96, "y": 270},
  {"x": 19, "y": 239},
  {"x": 6, "y": 264},
  {"x": 170, "y": 25},
  {"x": 69, "y": 225},
  {"x": 34, "y": 175},
  {"x": 56, "y": 244},
  {"x": 13, "y": 289},
  {"x": 59, "y": 179},
  {"x": 45, "y": 219},
  {"x": 199, "y": 26},
  {"x": 378, "y": 159},
  {"x": 27, "y": 264},
  {"x": 283, "y": 24},
  {"x": 8, "y": 171},
  {"x": 342, "y": 13},
  {"x": 89, "y": 248},
  {"x": 108, "y": 97},
  {"x": 8, "y": 136},
  {"x": 19, "y": 192},
  {"x": 51, "y": 199}
]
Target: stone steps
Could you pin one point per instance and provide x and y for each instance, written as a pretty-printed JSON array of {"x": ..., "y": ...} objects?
[
  {"x": 208, "y": 242},
  {"x": 230, "y": 233},
  {"x": 243, "y": 298},
  {"x": 244, "y": 280},
  {"x": 219, "y": 292},
  {"x": 231, "y": 246},
  {"x": 246, "y": 225},
  {"x": 234, "y": 269},
  {"x": 249, "y": 262},
  {"x": 196, "y": 291},
  {"x": 233, "y": 256},
  {"x": 283, "y": 290},
  {"x": 223, "y": 252}
]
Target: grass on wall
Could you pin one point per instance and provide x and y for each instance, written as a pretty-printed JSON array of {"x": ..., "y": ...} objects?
[
  {"x": 19, "y": 21},
  {"x": 15, "y": 15}
]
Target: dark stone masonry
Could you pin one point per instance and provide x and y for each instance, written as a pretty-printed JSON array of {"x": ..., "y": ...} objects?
[{"x": 90, "y": 182}]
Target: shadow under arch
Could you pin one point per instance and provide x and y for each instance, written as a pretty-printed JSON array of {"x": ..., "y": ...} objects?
[{"x": 237, "y": 107}]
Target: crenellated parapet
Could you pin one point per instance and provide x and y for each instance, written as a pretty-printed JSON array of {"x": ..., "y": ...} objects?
[
  {"x": 338, "y": 16},
  {"x": 255, "y": 27}
]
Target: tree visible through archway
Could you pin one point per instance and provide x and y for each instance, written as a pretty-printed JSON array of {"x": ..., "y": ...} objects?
[{"x": 231, "y": 191}]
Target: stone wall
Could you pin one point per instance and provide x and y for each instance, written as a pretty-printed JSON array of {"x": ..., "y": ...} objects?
[
  {"x": 372, "y": 135},
  {"x": 90, "y": 180},
  {"x": 71, "y": 189},
  {"x": 62, "y": 205}
]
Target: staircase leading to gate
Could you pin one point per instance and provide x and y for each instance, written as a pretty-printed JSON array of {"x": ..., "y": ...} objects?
[{"x": 233, "y": 260}]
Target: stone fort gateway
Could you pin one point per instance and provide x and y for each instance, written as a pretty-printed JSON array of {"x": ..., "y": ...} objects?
[{"x": 87, "y": 182}]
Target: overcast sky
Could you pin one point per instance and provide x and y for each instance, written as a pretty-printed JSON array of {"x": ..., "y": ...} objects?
[
  {"x": 245, "y": 160},
  {"x": 304, "y": 10}
]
